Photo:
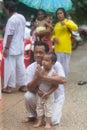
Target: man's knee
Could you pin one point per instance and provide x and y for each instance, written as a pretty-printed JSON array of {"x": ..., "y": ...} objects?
[{"x": 28, "y": 96}]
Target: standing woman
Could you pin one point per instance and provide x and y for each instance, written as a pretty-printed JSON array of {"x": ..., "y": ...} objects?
[
  {"x": 62, "y": 38},
  {"x": 42, "y": 28}
]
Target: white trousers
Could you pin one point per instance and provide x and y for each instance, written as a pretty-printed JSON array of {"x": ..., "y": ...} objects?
[
  {"x": 30, "y": 103},
  {"x": 14, "y": 71},
  {"x": 64, "y": 59}
]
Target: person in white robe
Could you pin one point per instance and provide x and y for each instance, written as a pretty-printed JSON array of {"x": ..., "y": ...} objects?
[{"x": 13, "y": 49}]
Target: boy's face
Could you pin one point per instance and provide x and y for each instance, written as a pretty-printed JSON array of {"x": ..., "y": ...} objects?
[{"x": 47, "y": 62}]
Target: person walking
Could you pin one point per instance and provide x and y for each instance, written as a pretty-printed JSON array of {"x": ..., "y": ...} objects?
[
  {"x": 62, "y": 38},
  {"x": 13, "y": 49}
]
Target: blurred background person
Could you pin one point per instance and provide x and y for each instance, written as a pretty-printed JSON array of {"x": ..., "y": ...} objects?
[
  {"x": 13, "y": 49},
  {"x": 42, "y": 28},
  {"x": 62, "y": 38}
]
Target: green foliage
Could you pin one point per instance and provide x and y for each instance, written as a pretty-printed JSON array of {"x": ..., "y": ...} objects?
[{"x": 79, "y": 11}]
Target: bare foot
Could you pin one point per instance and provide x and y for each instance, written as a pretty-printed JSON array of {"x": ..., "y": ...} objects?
[
  {"x": 27, "y": 119},
  {"x": 37, "y": 125},
  {"x": 47, "y": 126}
]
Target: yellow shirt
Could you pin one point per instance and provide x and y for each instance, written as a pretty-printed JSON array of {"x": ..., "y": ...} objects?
[{"x": 64, "y": 36}]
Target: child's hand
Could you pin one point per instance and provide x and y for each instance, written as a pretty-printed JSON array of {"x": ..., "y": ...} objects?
[
  {"x": 45, "y": 95},
  {"x": 40, "y": 93}
]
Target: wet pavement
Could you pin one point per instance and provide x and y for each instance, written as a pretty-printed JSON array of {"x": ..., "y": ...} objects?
[{"x": 12, "y": 108}]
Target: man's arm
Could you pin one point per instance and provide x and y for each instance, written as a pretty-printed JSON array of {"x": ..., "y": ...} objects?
[
  {"x": 56, "y": 79},
  {"x": 9, "y": 39},
  {"x": 32, "y": 86},
  {"x": 59, "y": 78},
  {"x": 52, "y": 89}
]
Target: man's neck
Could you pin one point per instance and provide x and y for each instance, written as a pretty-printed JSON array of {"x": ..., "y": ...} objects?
[{"x": 10, "y": 14}]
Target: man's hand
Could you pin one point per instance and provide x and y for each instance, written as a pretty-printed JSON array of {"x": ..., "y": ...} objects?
[
  {"x": 5, "y": 52},
  {"x": 38, "y": 69}
]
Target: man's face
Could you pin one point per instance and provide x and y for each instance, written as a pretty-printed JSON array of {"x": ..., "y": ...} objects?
[{"x": 39, "y": 53}]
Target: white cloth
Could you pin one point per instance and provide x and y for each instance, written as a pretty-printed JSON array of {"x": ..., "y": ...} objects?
[
  {"x": 15, "y": 26},
  {"x": 44, "y": 106},
  {"x": 64, "y": 59},
  {"x": 14, "y": 69},
  {"x": 43, "y": 86},
  {"x": 30, "y": 98},
  {"x": 27, "y": 33},
  {"x": 14, "y": 73}
]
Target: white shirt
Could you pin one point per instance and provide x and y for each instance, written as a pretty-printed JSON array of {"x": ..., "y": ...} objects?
[
  {"x": 44, "y": 86},
  {"x": 57, "y": 67},
  {"x": 15, "y": 26},
  {"x": 27, "y": 33}
]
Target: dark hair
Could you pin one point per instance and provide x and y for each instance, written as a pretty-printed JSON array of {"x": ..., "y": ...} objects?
[
  {"x": 54, "y": 57},
  {"x": 63, "y": 10},
  {"x": 2, "y": 26},
  {"x": 44, "y": 12},
  {"x": 40, "y": 43},
  {"x": 11, "y": 6}
]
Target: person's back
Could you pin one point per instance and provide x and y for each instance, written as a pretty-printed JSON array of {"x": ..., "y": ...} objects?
[
  {"x": 16, "y": 27},
  {"x": 13, "y": 49}
]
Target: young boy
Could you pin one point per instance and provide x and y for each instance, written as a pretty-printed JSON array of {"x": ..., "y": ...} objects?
[{"x": 45, "y": 95}]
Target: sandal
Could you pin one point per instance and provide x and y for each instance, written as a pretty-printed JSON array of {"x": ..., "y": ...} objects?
[
  {"x": 82, "y": 82},
  {"x": 23, "y": 89},
  {"x": 7, "y": 90}
]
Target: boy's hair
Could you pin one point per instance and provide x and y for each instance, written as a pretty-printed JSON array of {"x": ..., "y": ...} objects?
[
  {"x": 40, "y": 43},
  {"x": 54, "y": 57},
  {"x": 11, "y": 6}
]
